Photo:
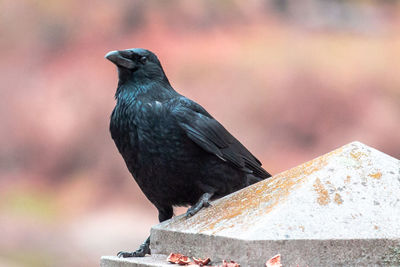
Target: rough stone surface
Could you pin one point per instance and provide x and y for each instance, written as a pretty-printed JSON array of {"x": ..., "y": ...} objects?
[
  {"x": 149, "y": 261},
  {"x": 342, "y": 208}
]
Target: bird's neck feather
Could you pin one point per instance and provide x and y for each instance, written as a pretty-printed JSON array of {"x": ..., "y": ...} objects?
[{"x": 151, "y": 89}]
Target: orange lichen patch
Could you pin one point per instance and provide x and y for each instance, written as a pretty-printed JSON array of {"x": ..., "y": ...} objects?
[
  {"x": 357, "y": 155},
  {"x": 275, "y": 261},
  {"x": 255, "y": 200},
  {"x": 338, "y": 199},
  {"x": 323, "y": 195},
  {"x": 376, "y": 175},
  {"x": 376, "y": 227},
  {"x": 347, "y": 179},
  {"x": 330, "y": 186},
  {"x": 302, "y": 228}
]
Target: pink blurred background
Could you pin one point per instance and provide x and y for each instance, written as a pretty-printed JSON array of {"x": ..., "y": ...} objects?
[{"x": 291, "y": 79}]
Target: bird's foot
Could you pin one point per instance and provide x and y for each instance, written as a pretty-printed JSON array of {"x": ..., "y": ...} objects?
[
  {"x": 204, "y": 201},
  {"x": 141, "y": 252}
]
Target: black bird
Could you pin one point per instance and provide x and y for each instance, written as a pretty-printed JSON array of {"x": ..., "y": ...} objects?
[{"x": 177, "y": 152}]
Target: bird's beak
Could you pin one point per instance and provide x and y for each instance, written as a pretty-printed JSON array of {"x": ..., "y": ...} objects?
[{"x": 117, "y": 57}]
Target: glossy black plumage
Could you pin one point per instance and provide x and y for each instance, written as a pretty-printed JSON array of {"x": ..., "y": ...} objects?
[{"x": 176, "y": 151}]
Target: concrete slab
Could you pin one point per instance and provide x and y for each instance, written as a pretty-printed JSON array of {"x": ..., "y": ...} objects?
[
  {"x": 149, "y": 261},
  {"x": 341, "y": 209}
]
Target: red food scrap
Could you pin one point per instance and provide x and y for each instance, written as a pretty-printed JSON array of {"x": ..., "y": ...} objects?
[
  {"x": 200, "y": 261},
  {"x": 275, "y": 261},
  {"x": 174, "y": 257},
  {"x": 184, "y": 260},
  {"x": 229, "y": 264}
]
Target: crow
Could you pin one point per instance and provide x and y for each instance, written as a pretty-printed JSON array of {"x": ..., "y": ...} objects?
[{"x": 176, "y": 151}]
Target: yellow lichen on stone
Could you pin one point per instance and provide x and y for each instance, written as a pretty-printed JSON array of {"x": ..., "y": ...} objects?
[
  {"x": 323, "y": 195},
  {"x": 259, "y": 198},
  {"x": 376, "y": 175},
  {"x": 357, "y": 155},
  {"x": 338, "y": 199}
]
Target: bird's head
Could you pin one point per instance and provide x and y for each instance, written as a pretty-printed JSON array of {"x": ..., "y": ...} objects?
[{"x": 137, "y": 64}]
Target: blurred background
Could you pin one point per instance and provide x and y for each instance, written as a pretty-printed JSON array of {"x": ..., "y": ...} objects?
[{"x": 291, "y": 79}]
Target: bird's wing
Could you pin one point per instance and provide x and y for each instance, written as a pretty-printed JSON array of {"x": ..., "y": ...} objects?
[{"x": 210, "y": 135}]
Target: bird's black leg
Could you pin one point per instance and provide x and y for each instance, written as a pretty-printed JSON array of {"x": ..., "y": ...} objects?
[
  {"x": 141, "y": 252},
  {"x": 204, "y": 201},
  {"x": 164, "y": 213}
]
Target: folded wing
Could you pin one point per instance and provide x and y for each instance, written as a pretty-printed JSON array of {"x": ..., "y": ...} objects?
[{"x": 210, "y": 135}]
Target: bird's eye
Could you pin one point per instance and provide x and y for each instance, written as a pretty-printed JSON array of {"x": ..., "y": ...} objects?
[{"x": 143, "y": 59}]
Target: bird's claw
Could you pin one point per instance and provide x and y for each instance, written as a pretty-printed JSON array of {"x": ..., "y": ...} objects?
[
  {"x": 196, "y": 208},
  {"x": 141, "y": 252},
  {"x": 189, "y": 213},
  {"x": 137, "y": 253},
  {"x": 124, "y": 254}
]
